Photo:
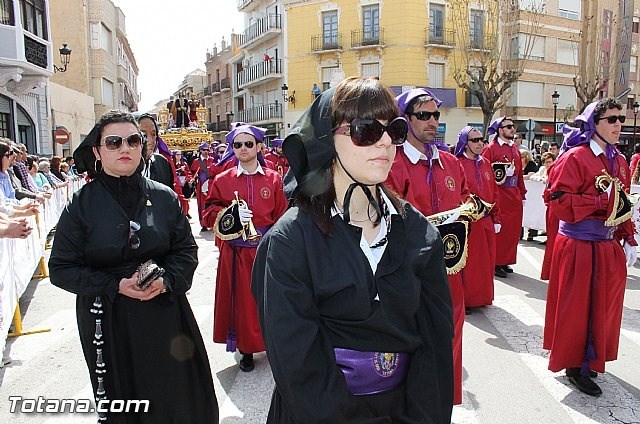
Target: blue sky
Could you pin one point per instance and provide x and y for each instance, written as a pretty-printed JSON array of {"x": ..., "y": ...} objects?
[{"x": 169, "y": 43}]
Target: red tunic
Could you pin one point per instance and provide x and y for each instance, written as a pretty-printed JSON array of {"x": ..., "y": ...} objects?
[
  {"x": 477, "y": 275},
  {"x": 280, "y": 162},
  {"x": 446, "y": 190},
  {"x": 510, "y": 203},
  {"x": 570, "y": 295},
  {"x": 265, "y": 197},
  {"x": 177, "y": 187},
  {"x": 552, "y": 223},
  {"x": 199, "y": 173}
]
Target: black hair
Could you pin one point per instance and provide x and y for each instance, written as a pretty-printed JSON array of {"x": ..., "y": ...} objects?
[
  {"x": 603, "y": 106},
  {"x": 417, "y": 101},
  {"x": 113, "y": 117},
  {"x": 555, "y": 144}
]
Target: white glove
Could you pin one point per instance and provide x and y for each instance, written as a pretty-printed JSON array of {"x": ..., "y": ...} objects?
[
  {"x": 608, "y": 190},
  {"x": 511, "y": 170},
  {"x": 496, "y": 228},
  {"x": 245, "y": 215},
  {"x": 452, "y": 218},
  {"x": 630, "y": 253}
]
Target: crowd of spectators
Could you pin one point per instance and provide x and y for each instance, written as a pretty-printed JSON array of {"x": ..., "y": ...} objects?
[{"x": 24, "y": 176}]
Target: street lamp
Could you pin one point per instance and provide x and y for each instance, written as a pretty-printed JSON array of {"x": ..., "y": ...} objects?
[
  {"x": 636, "y": 106},
  {"x": 285, "y": 95},
  {"x": 65, "y": 58},
  {"x": 555, "y": 98}
]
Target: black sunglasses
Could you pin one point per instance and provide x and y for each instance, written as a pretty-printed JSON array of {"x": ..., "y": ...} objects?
[
  {"x": 366, "y": 132},
  {"x": 239, "y": 144},
  {"x": 114, "y": 142},
  {"x": 508, "y": 126},
  {"x": 425, "y": 116},
  {"x": 613, "y": 118},
  {"x": 8, "y": 154},
  {"x": 134, "y": 240},
  {"x": 221, "y": 151},
  {"x": 476, "y": 140}
]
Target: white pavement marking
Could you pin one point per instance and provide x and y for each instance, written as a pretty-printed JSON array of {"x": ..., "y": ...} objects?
[
  {"x": 533, "y": 261},
  {"x": 465, "y": 413},
  {"x": 631, "y": 325},
  {"x": 517, "y": 321}
]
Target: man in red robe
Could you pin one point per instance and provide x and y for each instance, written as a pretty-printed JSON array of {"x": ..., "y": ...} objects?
[
  {"x": 432, "y": 180},
  {"x": 587, "y": 281},
  {"x": 200, "y": 171},
  {"x": 277, "y": 157},
  {"x": 511, "y": 193},
  {"x": 236, "y": 314},
  {"x": 477, "y": 275}
]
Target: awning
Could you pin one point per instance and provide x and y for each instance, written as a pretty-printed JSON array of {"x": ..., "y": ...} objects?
[{"x": 447, "y": 95}]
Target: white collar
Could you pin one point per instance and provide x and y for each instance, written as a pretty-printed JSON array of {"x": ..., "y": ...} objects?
[
  {"x": 595, "y": 147},
  {"x": 502, "y": 142},
  {"x": 392, "y": 210},
  {"x": 241, "y": 170},
  {"x": 416, "y": 155}
]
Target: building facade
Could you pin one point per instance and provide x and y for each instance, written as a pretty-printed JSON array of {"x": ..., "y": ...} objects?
[
  {"x": 218, "y": 92},
  {"x": 26, "y": 63}
]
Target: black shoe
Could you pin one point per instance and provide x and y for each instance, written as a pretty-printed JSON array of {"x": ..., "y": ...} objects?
[
  {"x": 499, "y": 272},
  {"x": 246, "y": 363},
  {"x": 188, "y": 216},
  {"x": 467, "y": 311},
  {"x": 529, "y": 238},
  {"x": 585, "y": 384},
  {"x": 593, "y": 374},
  {"x": 203, "y": 229},
  {"x": 508, "y": 269}
]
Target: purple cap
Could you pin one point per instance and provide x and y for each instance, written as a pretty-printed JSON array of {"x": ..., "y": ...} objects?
[
  {"x": 204, "y": 145},
  {"x": 576, "y": 136},
  {"x": 242, "y": 128},
  {"x": 162, "y": 146},
  {"x": 493, "y": 128},
  {"x": 276, "y": 142},
  {"x": 407, "y": 97},
  {"x": 463, "y": 139}
]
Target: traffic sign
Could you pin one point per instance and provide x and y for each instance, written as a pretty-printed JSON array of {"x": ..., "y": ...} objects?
[{"x": 530, "y": 124}]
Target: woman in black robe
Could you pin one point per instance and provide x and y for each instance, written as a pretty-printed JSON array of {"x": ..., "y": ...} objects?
[
  {"x": 350, "y": 283},
  {"x": 138, "y": 343}
]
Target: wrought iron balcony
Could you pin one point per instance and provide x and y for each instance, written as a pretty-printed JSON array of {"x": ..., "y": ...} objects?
[
  {"x": 215, "y": 88},
  {"x": 481, "y": 42},
  {"x": 246, "y": 4},
  {"x": 436, "y": 36},
  {"x": 324, "y": 42},
  {"x": 225, "y": 84},
  {"x": 371, "y": 37},
  {"x": 261, "y": 113},
  {"x": 265, "y": 70},
  {"x": 35, "y": 52},
  {"x": 261, "y": 30},
  {"x": 207, "y": 91}
]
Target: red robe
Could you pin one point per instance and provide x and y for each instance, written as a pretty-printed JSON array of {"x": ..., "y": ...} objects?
[
  {"x": 447, "y": 190},
  {"x": 477, "y": 275},
  {"x": 177, "y": 187},
  {"x": 552, "y": 223},
  {"x": 264, "y": 195},
  {"x": 201, "y": 177},
  {"x": 509, "y": 201},
  {"x": 570, "y": 295},
  {"x": 280, "y": 162}
]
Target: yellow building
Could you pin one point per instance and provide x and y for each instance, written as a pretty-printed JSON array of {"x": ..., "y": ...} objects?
[{"x": 406, "y": 44}]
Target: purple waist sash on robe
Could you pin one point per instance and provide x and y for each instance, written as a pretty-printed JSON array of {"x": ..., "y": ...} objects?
[
  {"x": 510, "y": 182},
  {"x": 368, "y": 373},
  {"x": 239, "y": 242},
  {"x": 587, "y": 229}
]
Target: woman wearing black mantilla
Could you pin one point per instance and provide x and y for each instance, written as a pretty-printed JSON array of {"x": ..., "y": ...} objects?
[
  {"x": 139, "y": 343},
  {"x": 350, "y": 283}
]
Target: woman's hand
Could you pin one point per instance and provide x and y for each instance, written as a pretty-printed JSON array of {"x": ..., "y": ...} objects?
[{"x": 128, "y": 287}]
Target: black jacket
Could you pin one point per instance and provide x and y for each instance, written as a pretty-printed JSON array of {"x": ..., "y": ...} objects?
[{"x": 160, "y": 170}]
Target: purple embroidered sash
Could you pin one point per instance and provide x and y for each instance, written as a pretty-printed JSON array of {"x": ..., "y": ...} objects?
[
  {"x": 239, "y": 242},
  {"x": 587, "y": 229},
  {"x": 368, "y": 373},
  {"x": 510, "y": 182}
]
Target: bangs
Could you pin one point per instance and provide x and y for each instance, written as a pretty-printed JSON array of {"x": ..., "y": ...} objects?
[{"x": 364, "y": 98}]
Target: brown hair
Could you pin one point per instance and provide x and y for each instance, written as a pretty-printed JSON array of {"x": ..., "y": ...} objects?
[
  {"x": 55, "y": 163},
  {"x": 547, "y": 155}
]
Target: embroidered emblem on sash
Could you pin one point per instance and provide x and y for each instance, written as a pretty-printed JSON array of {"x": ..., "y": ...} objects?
[
  {"x": 450, "y": 182},
  {"x": 385, "y": 364},
  {"x": 451, "y": 246},
  {"x": 265, "y": 192},
  {"x": 487, "y": 175},
  {"x": 227, "y": 222}
]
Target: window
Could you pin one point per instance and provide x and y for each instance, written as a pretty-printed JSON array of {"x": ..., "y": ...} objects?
[
  {"x": 107, "y": 93},
  {"x": 636, "y": 26},
  {"x": 634, "y": 64},
  {"x": 630, "y": 101},
  {"x": 106, "y": 41},
  {"x": 5, "y": 127},
  {"x": 330, "y": 30},
  {"x": 567, "y": 96},
  {"x": 327, "y": 77},
  {"x": 6, "y": 12},
  {"x": 33, "y": 17},
  {"x": 604, "y": 64},
  {"x": 607, "y": 17},
  {"x": 371, "y": 70},
  {"x": 476, "y": 29},
  {"x": 436, "y": 75},
  {"x": 569, "y": 9},
  {"x": 436, "y": 21},
  {"x": 523, "y": 44},
  {"x": 567, "y": 52},
  {"x": 528, "y": 93},
  {"x": 371, "y": 24}
]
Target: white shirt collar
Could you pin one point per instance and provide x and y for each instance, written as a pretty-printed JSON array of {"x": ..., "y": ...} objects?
[
  {"x": 241, "y": 170},
  {"x": 502, "y": 142},
  {"x": 595, "y": 147},
  {"x": 416, "y": 155}
]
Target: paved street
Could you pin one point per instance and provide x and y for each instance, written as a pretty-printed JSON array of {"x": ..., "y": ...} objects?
[{"x": 505, "y": 370}]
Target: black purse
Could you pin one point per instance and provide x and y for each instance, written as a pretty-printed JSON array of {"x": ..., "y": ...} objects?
[{"x": 147, "y": 272}]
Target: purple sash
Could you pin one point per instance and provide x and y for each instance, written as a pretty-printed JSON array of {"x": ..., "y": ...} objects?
[
  {"x": 587, "y": 229},
  {"x": 368, "y": 373},
  {"x": 240, "y": 242},
  {"x": 510, "y": 182}
]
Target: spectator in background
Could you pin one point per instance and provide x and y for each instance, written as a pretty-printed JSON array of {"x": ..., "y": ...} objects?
[
  {"x": 55, "y": 163},
  {"x": 32, "y": 166},
  {"x": 635, "y": 158},
  {"x": 520, "y": 142},
  {"x": 547, "y": 161},
  {"x": 20, "y": 168},
  {"x": 529, "y": 167},
  {"x": 14, "y": 228},
  {"x": 16, "y": 190},
  {"x": 554, "y": 148}
]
